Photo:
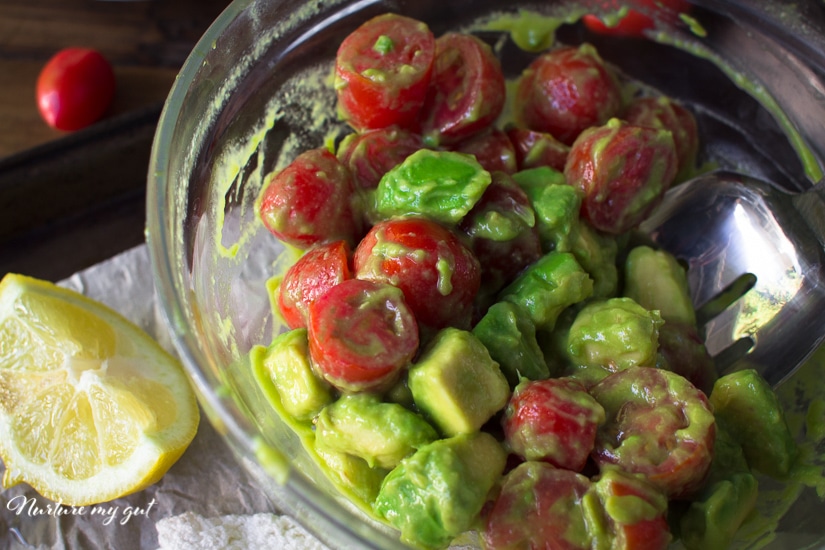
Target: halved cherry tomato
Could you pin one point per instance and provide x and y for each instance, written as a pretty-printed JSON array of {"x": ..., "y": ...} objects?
[
  {"x": 553, "y": 420},
  {"x": 319, "y": 269},
  {"x": 467, "y": 90},
  {"x": 361, "y": 334},
  {"x": 566, "y": 91},
  {"x": 371, "y": 154},
  {"x": 312, "y": 200},
  {"x": 539, "y": 507},
  {"x": 665, "y": 432},
  {"x": 492, "y": 149},
  {"x": 438, "y": 274},
  {"x": 382, "y": 70},
  {"x": 75, "y": 88},
  {"x": 634, "y": 23},
  {"x": 622, "y": 171},
  {"x": 536, "y": 149},
  {"x": 502, "y": 231}
]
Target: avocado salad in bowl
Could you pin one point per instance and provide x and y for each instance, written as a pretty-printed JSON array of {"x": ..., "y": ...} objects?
[{"x": 398, "y": 246}]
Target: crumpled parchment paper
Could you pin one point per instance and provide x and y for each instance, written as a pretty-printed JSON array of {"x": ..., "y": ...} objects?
[{"x": 207, "y": 499}]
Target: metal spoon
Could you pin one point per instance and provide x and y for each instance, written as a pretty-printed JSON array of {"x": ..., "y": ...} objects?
[{"x": 756, "y": 268}]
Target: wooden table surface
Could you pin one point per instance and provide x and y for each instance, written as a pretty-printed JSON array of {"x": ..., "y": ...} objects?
[{"x": 72, "y": 199}]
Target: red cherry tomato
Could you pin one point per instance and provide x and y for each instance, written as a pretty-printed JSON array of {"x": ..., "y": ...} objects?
[
  {"x": 553, "y": 420},
  {"x": 634, "y": 23},
  {"x": 566, "y": 91},
  {"x": 665, "y": 433},
  {"x": 75, "y": 88},
  {"x": 361, "y": 334},
  {"x": 622, "y": 171},
  {"x": 312, "y": 200},
  {"x": 371, "y": 154},
  {"x": 439, "y": 275},
  {"x": 467, "y": 91},
  {"x": 382, "y": 70},
  {"x": 535, "y": 149},
  {"x": 492, "y": 149},
  {"x": 318, "y": 270}
]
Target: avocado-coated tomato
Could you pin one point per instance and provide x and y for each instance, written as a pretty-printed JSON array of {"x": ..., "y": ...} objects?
[
  {"x": 658, "y": 425},
  {"x": 553, "y": 420},
  {"x": 438, "y": 274},
  {"x": 567, "y": 90},
  {"x": 536, "y": 149},
  {"x": 492, "y": 149},
  {"x": 361, "y": 335},
  {"x": 319, "y": 269},
  {"x": 371, "y": 154},
  {"x": 382, "y": 71},
  {"x": 312, "y": 200},
  {"x": 467, "y": 91}
]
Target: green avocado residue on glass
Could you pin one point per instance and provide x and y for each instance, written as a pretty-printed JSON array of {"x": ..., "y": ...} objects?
[
  {"x": 531, "y": 31},
  {"x": 440, "y": 185}
]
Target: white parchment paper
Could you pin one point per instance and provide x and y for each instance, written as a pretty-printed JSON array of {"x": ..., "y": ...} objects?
[{"x": 206, "y": 500}]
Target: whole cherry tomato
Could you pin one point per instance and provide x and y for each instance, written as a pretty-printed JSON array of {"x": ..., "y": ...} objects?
[{"x": 75, "y": 88}]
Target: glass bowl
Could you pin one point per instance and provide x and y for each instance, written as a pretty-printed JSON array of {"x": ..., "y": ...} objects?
[{"x": 256, "y": 90}]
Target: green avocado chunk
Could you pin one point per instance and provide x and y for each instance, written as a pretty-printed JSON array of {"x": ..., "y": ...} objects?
[
  {"x": 655, "y": 280},
  {"x": 284, "y": 373},
  {"x": 510, "y": 336},
  {"x": 556, "y": 205},
  {"x": 747, "y": 407},
  {"x": 547, "y": 287},
  {"x": 440, "y": 185},
  {"x": 597, "y": 252},
  {"x": 456, "y": 384},
  {"x": 362, "y": 425},
  {"x": 436, "y": 494},
  {"x": 715, "y": 515},
  {"x": 614, "y": 334}
]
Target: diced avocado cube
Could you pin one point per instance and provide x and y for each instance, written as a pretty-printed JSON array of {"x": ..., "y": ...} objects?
[
  {"x": 596, "y": 252},
  {"x": 715, "y": 515},
  {"x": 655, "y": 280},
  {"x": 362, "y": 425},
  {"x": 548, "y": 286},
  {"x": 440, "y": 185},
  {"x": 510, "y": 336},
  {"x": 746, "y": 406},
  {"x": 556, "y": 205},
  {"x": 456, "y": 384},
  {"x": 436, "y": 494},
  {"x": 352, "y": 476},
  {"x": 614, "y": 334},
  {"x": 284, "y": 374}
]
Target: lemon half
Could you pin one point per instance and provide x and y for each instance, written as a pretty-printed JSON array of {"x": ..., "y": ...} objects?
[{"x": 91, "y": 407}]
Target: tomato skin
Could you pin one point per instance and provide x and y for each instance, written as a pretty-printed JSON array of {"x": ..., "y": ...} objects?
[
  {"x": 539, "y": 507},
  {"x": 382, "y": 71},
  {"x": 371, "y": 154},
  {"x": 467, "y": 91},
  {"x": 361, "y": 335},
  {"x": 565, "y": 91},
  {"x": 312, "y": 200},
  {"x": 492, "y": 149},
  {"x": 635, "y": 23},
  {"x": 438, "y": 274},
  {"x": 504, "y": 208},
  {"x": 623, "y": 171},
  {"x": 665, "y": 433},
  {"x": 75, "y": 88},
  {"x": 319, "y": 269},
  {"x": 536, "y": 149},
  {"x": 662, "y": 112},
  {"x": 553, "y": 420}
]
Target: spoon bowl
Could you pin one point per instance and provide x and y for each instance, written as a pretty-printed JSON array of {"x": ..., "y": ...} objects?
[{"x": 755, "y": 265}]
